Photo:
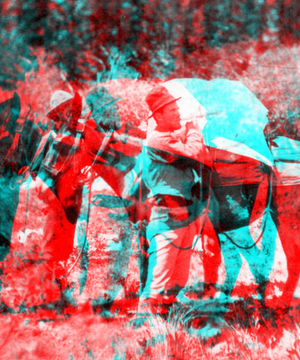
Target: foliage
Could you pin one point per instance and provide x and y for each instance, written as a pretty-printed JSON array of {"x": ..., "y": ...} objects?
[
  {"x": 82, "y": 334},
  {"x": 85, "y": 38}
]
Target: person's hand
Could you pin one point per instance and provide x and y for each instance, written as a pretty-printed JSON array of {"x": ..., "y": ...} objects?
[
  {"x": 190, "y": 126},
  {"x": 86, "y": 176},
  {"x": 26, "y": 181},
  {"x": 23, "y": 170}
]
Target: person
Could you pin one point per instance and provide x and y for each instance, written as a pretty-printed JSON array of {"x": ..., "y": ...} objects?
[
  {"x": 49, "y": 203},
  {"x": 173, "y": 159}
]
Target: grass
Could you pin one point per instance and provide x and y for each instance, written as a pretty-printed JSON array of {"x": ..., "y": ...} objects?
[{"x": 187, "y": 333}]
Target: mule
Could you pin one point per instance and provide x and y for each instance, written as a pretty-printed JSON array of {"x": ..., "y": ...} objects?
[{"x": 241, "y": 182}]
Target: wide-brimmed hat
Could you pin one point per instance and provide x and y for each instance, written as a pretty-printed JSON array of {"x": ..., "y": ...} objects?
[
  {"x": 99, "y": 97},
  {"x": 58, "y": 98},
  {"x": 159, "y": 97}
]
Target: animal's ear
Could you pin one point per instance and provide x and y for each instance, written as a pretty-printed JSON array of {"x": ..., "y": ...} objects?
[
  {"x": 5, "y": 110},
  {"x": 273, "y": 144},
  {"x": 76, "y": 106},
  {"x": 15, "y": 107}
]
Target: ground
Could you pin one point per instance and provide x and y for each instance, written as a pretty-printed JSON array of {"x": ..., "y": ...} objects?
[{"x": 194, "y": 329}]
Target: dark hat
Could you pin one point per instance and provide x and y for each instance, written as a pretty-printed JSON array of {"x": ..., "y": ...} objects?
[
  {"x": 159, "y": 97},
  {"x": 62, "y": 98},
  {"x": 99, "y": 97},
  {"x": 10, "y": 107}
]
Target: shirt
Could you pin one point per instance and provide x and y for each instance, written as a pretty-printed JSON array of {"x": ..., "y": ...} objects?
[{"x": 172, "y": 162}]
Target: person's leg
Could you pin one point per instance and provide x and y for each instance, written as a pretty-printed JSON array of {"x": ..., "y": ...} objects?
[
  {"x": 162, "y": 258},
  {"x": 287, "y": 205},
  {"x": 187, "y": 236},
  {"x": 181, "y": 271}
]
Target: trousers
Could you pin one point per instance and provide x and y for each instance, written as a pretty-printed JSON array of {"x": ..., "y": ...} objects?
[{"x": 170, "y": 249}]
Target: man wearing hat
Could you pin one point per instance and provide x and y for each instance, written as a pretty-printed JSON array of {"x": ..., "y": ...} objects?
[
  {"x": 171, "y": 162},
  {"x": 65, "y": 110},
  {"x": 49, "y": 203}
]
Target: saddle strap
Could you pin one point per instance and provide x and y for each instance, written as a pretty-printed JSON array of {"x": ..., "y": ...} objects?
[{"x": 19, "y": 128}]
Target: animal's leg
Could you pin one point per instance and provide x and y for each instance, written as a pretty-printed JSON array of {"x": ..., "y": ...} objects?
[
  {"x": 292, "y": 252},
  {"x": 261, "y": 261},
  {"x": 233, "y": 264},
  {"x": 289, "y": 235},
  {"x": 117, "y": 271},
  {"x": 211, "y": 259},
  {"x": 286, "y": 205},
  {"x": 143, "y": 247},
  {"x": 260, "y": 273}
]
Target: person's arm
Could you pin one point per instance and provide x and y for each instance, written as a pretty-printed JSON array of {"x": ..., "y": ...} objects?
[
  {"x": 126, "y": 144},
  {"x": 191, "y": 145}
]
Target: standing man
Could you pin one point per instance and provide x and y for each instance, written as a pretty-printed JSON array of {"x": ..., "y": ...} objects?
[
  {"x": 178, "y": 184},
  {"x": 49, "y": 202}
]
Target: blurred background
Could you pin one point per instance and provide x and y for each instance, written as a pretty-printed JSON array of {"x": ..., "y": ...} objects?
[{"x": 73, "y": 44}]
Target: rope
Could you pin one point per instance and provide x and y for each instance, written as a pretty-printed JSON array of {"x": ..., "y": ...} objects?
[
  {"x": 206, "y": 211},
  {"x": 264, "y": 218}
]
